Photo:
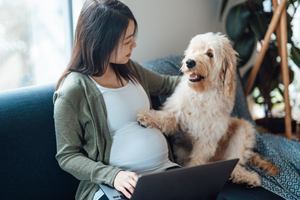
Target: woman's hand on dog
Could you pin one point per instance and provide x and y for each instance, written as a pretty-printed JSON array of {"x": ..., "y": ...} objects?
[{"x": 125, "y": 182}]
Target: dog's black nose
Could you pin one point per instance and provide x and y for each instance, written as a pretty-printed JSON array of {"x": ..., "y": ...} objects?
[{"x": 190, "y": 63}]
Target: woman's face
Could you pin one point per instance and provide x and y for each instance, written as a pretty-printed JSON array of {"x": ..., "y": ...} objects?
[{"x": 122, "y": 54}]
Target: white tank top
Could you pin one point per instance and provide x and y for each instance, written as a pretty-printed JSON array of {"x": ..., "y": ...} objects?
[{"x": 134, "y": 148}]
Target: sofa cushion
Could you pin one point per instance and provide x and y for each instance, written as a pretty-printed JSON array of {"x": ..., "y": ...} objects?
[{"x": 28, "y": 147}]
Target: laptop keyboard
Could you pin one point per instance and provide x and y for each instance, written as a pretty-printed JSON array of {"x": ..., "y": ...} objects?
[{"x": 120, "y": 197}]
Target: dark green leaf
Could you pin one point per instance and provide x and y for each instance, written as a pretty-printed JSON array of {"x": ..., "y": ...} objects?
[
  {"x": 257, "y": 1},
  {"x": 237, "y": 21},
  {"x": 277, "y": 77},
  {"x": 289, "y": 27},
  {"x": 288, "y": 3},
  {"x": 244, "y": 47},
  {"x": 263, "y": 77},
  {"x": 223, "y": 6},
  {"x": 245, "y": 79},
  {"x": 291, "y": 75},
  {"x": 296, "y": 55},
  {"x": 264, "y": 74},
  {"x": 259, "y": 24},
  {"x": 273, "y": 50},
  {"x": 280, "y": 91},
  {"x": 257, "y": 5}
]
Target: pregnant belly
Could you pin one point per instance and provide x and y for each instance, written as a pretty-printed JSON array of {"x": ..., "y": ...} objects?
[{"x": 138, "y": 149}]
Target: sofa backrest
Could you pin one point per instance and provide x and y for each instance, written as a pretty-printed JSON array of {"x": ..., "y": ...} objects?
[{"x": 28, "y": 167}]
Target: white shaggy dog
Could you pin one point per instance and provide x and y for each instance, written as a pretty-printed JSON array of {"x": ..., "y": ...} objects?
[{"x": 200, "y": 107}]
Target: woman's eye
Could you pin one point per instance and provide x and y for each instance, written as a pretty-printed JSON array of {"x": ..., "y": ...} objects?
[
  {"x": 128, "y": 42},
  {"x": 210, "y": 55}
]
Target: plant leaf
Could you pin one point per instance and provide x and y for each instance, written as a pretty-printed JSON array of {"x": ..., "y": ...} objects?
[
  {"x": 291, "y": 75},
  {"x": 257, "y": 5},
  {"x": 295, "y": 52},
  {"x": 289, "y": 27},
  {"x": 237, "y": 21},
  {"x": 223, "y": 6},
  {"x": 259, "y": 24},
  {"x": 280, "y": 91},
  {"x": 245, "y": 79},
  {"x": 291, "y": 2},
  {"x": 263, "y": 76},
  {"x": 265, "y": 71},
  {"x": 277, "y": 77},
  {"x": 244, "y": 47}
]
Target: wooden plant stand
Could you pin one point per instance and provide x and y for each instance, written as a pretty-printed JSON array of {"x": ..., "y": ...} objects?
[{"x": 279, "y": 23}]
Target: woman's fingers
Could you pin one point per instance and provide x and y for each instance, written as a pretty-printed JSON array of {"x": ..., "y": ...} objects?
[
  {"x": 129, "y": 187},
  {"x": 125, "y": 182},
  {"x": 135, "y": 177},
  {"x": 130, "y": 182},
  {"x": 132, "y": 179},
  {"x": 125, "y": 192}
]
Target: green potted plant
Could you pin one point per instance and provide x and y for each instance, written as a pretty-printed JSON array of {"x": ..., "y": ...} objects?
[{"x": 246, "y": 26}]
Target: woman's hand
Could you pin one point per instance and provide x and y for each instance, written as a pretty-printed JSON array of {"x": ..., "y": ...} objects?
[{"x": 126, "y": 181}]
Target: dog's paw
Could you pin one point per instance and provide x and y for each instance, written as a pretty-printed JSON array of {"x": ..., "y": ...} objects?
[
  {"x": 273, "y": 171},
  {"x": 147, "y": 118},
  {"x": 270, "y": 169},
  {"x": 252, "y": 179}
]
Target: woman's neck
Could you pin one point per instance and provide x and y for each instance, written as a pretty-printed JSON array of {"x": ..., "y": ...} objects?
[{"x": 109, "y": 79}]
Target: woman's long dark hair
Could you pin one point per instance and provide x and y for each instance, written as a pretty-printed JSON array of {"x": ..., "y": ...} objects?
[{"x": 101, "y": 25}]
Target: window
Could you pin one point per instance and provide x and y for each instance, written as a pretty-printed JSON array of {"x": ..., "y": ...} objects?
[{"x": 35, "y": 41}]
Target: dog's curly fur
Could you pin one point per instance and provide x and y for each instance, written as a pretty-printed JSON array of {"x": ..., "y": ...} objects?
[{"x": 200, "y": 108}]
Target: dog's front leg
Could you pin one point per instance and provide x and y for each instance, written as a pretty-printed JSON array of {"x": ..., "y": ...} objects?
[
  {"x": 196, "y": 159},
  {"x": 162, "y": 120},
  {"x": 201, "y": 153}
]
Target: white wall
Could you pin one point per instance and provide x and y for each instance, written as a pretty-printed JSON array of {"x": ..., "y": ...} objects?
[{"x": 166, "y": 26}]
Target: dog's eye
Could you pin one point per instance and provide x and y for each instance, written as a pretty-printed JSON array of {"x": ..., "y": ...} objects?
[{"x": 210, "y": 55}]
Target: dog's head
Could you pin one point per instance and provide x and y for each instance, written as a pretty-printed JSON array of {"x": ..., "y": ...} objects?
[{"x": 210, "y": 62}]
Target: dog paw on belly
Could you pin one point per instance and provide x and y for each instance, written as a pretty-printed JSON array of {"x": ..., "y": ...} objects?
[
  {"x": 148, "y": 118},
  {"x": 157, "y": 119}
]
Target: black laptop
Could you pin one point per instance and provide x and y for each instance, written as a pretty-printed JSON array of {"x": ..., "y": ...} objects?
[{"x": 188, "y": 183}]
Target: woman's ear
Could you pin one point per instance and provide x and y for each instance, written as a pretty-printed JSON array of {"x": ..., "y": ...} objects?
[{"x": 229, "y": 71}]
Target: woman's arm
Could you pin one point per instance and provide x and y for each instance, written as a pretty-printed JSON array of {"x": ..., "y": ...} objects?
[
  {"x": 157, "y": 84},
  {"x": 69, "y": 138}
]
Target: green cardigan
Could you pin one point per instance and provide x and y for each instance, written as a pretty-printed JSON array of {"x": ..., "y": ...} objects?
[{"x": 82, "y": 135}]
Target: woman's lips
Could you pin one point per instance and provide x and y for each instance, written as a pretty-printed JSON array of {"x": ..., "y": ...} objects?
[{"x": 128, "y": 55}]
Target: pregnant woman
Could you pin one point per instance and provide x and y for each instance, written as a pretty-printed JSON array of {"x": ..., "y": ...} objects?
[{"x": 96, "y": 102}]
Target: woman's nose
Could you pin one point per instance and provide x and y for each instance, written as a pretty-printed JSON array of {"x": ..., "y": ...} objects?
[{"x": 133, "y": 44}]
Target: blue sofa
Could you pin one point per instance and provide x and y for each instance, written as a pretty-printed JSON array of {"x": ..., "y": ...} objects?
[{"x": 28, "y": 167}]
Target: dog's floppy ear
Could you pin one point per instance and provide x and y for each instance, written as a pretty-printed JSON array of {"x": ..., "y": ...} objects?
[{"x": 229, "y": 67}]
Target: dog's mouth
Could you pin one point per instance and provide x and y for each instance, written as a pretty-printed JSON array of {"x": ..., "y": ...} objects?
[{"x": 195, "y": 77}]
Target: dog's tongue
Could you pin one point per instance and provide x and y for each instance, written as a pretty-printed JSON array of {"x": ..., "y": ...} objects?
[{"x": 193, "y": 75}]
